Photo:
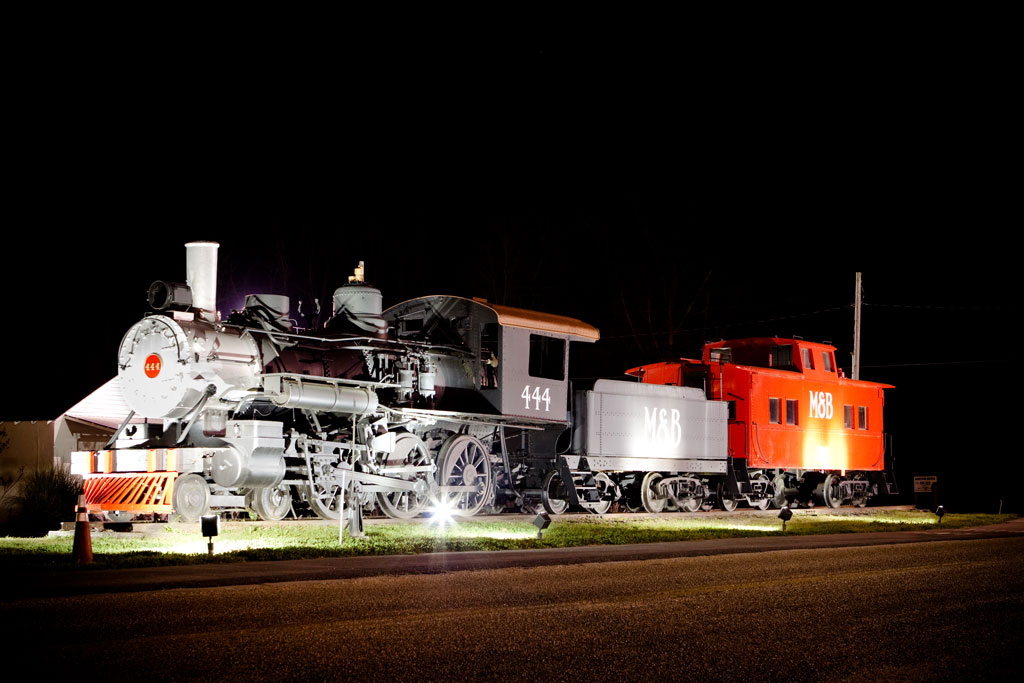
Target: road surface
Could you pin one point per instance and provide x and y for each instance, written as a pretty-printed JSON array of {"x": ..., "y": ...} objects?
[{"x": 940, "y": 610}]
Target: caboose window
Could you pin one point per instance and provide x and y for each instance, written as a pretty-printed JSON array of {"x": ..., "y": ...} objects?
[
  {"x": 791, "y": 410},
  {"x": 862, "y": 417},
  {"x": 773, "y": 410},
  {"x": 547, "y": 357},
  {"x": 782, "y": 357},
  {"x": 808, "y": 359},
  {"x": 828, "y": 365},
  {"x": 848, "y": 417}
]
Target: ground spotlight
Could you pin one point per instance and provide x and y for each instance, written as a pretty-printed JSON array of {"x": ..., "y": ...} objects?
[
  {"x": 785, "y": 514},
  {"x": 210, "y": 525},
  {"x": 542, "y": 522},
  {"x": 441, "y": 513},
  {"x": 940, "y": 511}
]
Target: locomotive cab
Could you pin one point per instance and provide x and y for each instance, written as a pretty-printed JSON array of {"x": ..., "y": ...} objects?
[{"x": 520, "y": 358}]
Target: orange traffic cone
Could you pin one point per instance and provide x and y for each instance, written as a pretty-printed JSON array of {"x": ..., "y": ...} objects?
[{"x": 82, "y": 551}]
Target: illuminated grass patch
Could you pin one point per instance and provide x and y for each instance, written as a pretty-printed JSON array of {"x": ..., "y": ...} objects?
[{"x": 239, "y": 542}]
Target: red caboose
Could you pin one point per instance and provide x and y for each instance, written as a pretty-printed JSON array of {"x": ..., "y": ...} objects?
[{"x": 794, "y": 420}]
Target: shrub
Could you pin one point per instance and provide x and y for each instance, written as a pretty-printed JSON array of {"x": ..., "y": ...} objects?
[{"x": 45, "y": 499}]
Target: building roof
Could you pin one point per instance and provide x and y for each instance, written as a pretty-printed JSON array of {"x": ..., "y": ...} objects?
[{"x": 105, "y": 406}]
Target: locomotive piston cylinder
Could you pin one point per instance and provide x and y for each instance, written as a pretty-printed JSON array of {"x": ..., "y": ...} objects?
[
  {"x": 254, "y": 456},
  {"x": 323, "y": 396},
  {"x": 234, "y": 467}
]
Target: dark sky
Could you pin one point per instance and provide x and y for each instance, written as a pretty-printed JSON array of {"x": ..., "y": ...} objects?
[{"x": 586, "y": 179}]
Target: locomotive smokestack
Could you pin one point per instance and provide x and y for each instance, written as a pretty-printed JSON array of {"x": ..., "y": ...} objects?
[{"x": 201, "y": 276}]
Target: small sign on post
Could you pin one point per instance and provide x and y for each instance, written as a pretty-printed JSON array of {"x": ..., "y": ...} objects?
[{"x": 926, "y": 491}]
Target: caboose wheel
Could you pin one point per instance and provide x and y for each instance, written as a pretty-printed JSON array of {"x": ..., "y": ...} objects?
[
  {"x": 650, "y": 493},
  {"x": 271, "y": 503},
  {"x": 553, "y": 495},
  {"x": 832, "y": 491},
  {"x": 859, "y": 501},
  {"x": 191, "y": 497},
  {"x": 759, "y": 504},
  {"x": 779, "y": 484},
  {"x": 464, "y": 463},
  {"x": 725, "y": 500},
  {"x": 411, "y": 451}
]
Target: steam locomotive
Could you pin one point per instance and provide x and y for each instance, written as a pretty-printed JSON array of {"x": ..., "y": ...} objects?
[{"x": 455, "y": 403}]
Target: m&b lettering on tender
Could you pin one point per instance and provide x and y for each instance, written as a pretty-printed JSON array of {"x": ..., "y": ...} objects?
[
  {"x": 821, "y": 405},
  {"x": 662, "y": 426}
]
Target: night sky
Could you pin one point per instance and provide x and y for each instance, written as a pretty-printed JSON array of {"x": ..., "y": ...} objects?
[{"x": 665, "y": 200}]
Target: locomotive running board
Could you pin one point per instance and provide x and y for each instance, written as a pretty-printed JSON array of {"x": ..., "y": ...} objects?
[{"x": 475, "y": 418}]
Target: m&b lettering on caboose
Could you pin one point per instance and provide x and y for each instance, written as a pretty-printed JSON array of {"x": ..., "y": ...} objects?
[
  {"x": 821, "y": 405},
  {"x": 662, "y": 426}
]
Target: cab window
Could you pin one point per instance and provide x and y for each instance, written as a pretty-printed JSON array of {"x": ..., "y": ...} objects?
[{"x": 547, "y": 357}]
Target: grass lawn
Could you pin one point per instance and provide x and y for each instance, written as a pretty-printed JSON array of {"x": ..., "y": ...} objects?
[{"x": 240, "y": 542}]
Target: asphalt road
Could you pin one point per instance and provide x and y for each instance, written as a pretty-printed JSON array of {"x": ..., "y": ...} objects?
[{"x": 948, "y": 610}]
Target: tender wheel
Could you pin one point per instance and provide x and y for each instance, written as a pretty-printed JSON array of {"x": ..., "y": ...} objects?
[
  {"x": 606, "y": 487},
  {"x": 409, "y": 450},
  {"x": 464, "y": 463},
  {"x": 779, "y": 484},
  {"x": 692, "y": 504},
  {"x": 191, "y": 497},
  {"x": 553, "y": 494},
  {"x": 653, "y": 500},
  {"x": 270, "y": 503},
  {"x": 685, "y": 503},
  {"x": 761, "y": 504},
  {"x": 725, "y": 500},
  {"x": 832, "y": 491},
  {"x": 631, "y": 494}
]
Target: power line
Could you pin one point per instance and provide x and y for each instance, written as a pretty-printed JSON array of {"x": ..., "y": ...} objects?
[
  {"x": 734, "y": 324},
  {"x": 947, "y": 362},
  {"x": 937, "y": 307}
]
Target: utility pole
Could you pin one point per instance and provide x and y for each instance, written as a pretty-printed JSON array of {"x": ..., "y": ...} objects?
[{"x": 856, "y": 329}]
